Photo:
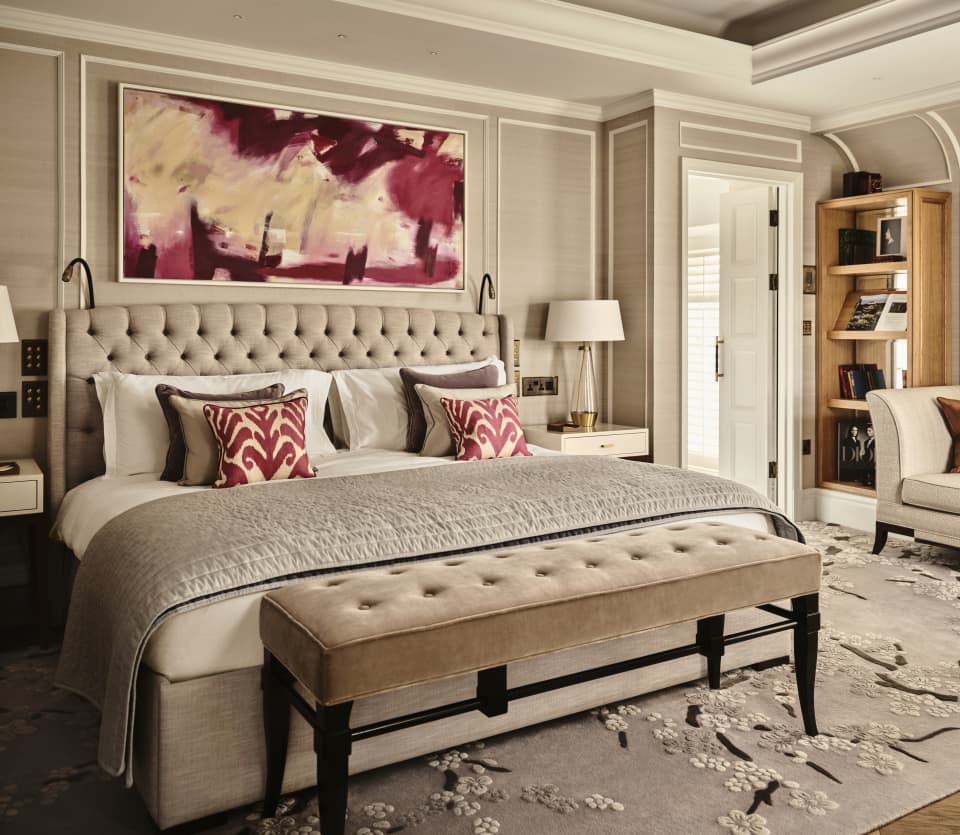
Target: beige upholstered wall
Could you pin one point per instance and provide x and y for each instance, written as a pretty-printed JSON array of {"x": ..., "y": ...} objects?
[{"x": 58, "y": 195}]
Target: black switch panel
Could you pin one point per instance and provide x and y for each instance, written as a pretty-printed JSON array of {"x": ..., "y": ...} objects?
[
  {"x": 33, "y": 399},
  {"x": 8, "y": 404},
  {"x": 33, "y": 358}
]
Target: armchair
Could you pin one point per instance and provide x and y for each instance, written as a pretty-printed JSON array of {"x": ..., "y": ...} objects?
[{"x": 916, "y": 495}]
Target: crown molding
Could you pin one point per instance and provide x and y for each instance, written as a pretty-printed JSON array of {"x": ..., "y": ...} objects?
[
  {"x": 566, "y": 25},
  {"x": 905, "y": 105},
  {"x": 106, "y": 33},
  {"x": 859, "y": 30},
  {"x": 709, "y": 107}
]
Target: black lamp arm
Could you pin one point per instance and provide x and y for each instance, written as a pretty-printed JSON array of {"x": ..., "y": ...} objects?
[
  {"x": 67, "y": 274},
  {"x": 486, "y": 283}
]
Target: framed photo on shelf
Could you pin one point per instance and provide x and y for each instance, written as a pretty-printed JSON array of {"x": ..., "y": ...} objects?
[
  {"x": 890, "y": 242},
  {"x": 856, "y": 452},
  {"x": 809, "y": 279}
]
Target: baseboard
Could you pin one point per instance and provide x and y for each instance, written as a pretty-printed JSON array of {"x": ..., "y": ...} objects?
[{"x": 858, "y": 512}]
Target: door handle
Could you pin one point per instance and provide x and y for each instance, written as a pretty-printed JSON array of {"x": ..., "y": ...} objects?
[{"x": 717, "y": 373}]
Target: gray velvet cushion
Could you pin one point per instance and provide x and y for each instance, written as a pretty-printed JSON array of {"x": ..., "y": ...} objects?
[
  {"x": 173, "y": 467},
  {"x": 416, "y": 422}
]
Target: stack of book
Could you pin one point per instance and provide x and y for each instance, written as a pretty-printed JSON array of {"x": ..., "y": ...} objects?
[
  {"x": 856, "y": 380},
  {"x": 857, "y": 246}
]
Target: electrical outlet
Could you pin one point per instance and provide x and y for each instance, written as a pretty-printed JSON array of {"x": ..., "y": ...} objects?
[
  {"x": 8, "y": 404},
  {"x": 539, "y": 386},
  {"x": 806, "y": 446},
  {"x": 33, "y": 358},
  {"x": 33, "y": 399}
]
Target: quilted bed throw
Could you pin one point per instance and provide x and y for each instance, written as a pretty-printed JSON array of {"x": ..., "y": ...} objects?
[{"x": 181, "y": 552}]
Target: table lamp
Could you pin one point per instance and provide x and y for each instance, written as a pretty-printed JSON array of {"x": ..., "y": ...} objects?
[
  {"x": 585, "y": 321},
  {"x": 8, "y": 327}
]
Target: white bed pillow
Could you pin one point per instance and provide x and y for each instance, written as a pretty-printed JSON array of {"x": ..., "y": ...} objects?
[
  {"x": 368, "y": 408},
  {"x": 135, "y": 436}
]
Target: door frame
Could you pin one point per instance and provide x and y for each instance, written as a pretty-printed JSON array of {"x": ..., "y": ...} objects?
[{"x": 789, "y": 314}]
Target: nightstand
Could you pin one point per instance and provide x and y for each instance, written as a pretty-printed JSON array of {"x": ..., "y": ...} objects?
[
  {"x": 604, "y": 439},
  {"x": 21, "y": 505}
]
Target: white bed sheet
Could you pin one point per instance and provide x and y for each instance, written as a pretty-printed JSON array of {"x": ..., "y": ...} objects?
[{"x": 225, "y": 635}]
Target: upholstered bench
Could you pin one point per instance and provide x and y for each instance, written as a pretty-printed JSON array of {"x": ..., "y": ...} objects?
[{"x": 359, "y": 634}]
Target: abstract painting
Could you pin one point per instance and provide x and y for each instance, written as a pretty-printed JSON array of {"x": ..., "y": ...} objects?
[{"x": 228, "y": 191}]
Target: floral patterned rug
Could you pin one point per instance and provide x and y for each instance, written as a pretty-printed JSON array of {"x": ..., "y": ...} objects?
[{"x": 686, "y": 760}]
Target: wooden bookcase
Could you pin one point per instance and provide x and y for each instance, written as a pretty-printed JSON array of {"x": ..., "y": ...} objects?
[{"x": 925, "y": 278}]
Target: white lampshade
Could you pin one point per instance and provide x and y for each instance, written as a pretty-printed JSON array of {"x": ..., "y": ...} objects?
[
  {"x": 8, "y": 327},
  {"x": 584, "y": 320}
]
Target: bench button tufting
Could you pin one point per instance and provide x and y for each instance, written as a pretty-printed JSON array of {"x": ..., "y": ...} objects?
[
  {"x": 363, "y": 606},
  {"x": 591, "y": 565},
  {"x": 428, "y": 594},
  {"x": 636, "y": 557},
  {"x": 488, "y": 582},
  {"x": 541, "y": 574}
]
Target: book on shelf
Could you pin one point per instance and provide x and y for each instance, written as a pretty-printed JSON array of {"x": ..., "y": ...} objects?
[
  {"x": 859, "y": 378},
  {"x": 867, "y": 312},
  {"x": 856, "y": 246},
  {"x": 893, "y": 317}
]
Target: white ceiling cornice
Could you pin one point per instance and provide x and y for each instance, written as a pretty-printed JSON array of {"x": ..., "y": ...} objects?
[
  {"x": 583, "y": 29},
  {"x": 124, "y": 36},
  {"x": 710, "y": 107},
  {"x": 884, "y": 110},
  {"x": 856, "y": 31}
]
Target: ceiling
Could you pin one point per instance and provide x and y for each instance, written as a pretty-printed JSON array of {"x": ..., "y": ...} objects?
[{"x": 873, "y": 58}]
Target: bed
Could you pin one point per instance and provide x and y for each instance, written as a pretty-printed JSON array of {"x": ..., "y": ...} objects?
[{"x": 191, "y": 741}]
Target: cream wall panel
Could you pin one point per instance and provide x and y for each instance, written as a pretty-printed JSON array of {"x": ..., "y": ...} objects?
[
  {"x": 744, "y": 143},
  {"x": 547, "y": 223},
  {"x": 627, "y": 216},
  {"x": 30, "y": 231}
]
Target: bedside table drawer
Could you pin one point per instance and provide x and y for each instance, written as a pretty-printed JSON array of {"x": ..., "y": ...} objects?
[
  {"x": 627, "y": 443},
  {"x": 19, "y": 497}
]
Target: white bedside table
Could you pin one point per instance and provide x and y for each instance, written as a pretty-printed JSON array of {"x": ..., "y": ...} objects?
[
  {"x": 604, "y": 439},
  {"x": 21, "y": 505}
]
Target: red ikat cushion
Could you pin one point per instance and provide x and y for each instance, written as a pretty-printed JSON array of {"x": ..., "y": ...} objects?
[
  {"x": 485, "y": 428},
  {"x": 265, "y": 442}
]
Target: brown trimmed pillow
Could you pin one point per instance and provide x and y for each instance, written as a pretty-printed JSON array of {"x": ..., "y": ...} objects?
[
  {"x": 951, "y": 414},
  {"x": 475, "y": 378},
  {"x": 176, "y": 451},
  {"x": 201, "y": 462}
]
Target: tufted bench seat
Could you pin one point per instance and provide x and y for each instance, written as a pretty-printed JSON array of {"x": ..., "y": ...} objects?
[{"x": 375, "y": 630}]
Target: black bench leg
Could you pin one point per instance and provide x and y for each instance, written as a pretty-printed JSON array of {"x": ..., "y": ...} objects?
[
  {"x": 331, "y": 741},
  {"x": 806, "y": 611},
  {"x": 274, "y": 679},
  {"x": 710, "y": 641}
]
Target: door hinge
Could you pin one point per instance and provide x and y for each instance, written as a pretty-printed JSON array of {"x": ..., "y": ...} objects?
[
  {"x": 772, "y": 469},
  {"x": 774, "y": 281},
  {"x": 774, "y": 217}
]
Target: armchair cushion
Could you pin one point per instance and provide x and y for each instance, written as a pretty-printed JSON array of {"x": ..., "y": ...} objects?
[
  {"x": 951, "y": 414},
  {"x": 937, "y": 491}
]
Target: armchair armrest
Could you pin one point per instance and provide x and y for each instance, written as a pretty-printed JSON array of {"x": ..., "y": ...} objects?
[{"x": 912, "y": 436}]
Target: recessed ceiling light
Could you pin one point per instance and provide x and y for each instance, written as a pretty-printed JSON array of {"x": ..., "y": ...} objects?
[
  {"x": 342, "y": 36},
  {"x": 434, "y": 51},
  {"x": 877, "y": 78},
  {"x": 238, "y": 17}
]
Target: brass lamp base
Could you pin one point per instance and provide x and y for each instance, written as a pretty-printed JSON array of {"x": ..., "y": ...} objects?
[{"x": 585, "y": 420}]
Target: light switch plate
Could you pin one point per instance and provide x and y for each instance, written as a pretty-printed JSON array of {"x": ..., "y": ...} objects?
[
  {"x": 33, "y": 358},
  {"x": 33, "y": 399},
  {"x": 8, "y": 404}
]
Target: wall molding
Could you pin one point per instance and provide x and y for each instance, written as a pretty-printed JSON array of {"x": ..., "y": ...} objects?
[
  {"x": 856, "y": 31},
  {"x": 844, "y": 149},
  {"x": 796, "y": 143},
  {"x": 708, "y": 107},
  {"x": 77, "y": 29},
  {"x": 583, "y": 29},
  {"x": 948, "y": 132},
  {"x": 611, "y": 153},
  {"x": 922, "y": 100},
  {"x": 61, "y": 222}
]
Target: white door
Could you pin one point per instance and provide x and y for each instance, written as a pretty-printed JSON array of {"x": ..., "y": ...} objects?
[{"x": 746, "y": 348}]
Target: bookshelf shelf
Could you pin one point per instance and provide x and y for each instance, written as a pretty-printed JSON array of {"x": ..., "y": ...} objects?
[
  {"x": 867, "y": 336},
  {"x": 917, "y": 356},
  {"x": 877, "y": 268}
]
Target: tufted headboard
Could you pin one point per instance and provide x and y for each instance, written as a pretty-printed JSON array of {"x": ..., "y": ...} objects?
[{"x": 200, "y": 339}]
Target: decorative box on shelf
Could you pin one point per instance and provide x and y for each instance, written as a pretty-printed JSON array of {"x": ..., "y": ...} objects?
[{"x": 603, "y": 439}]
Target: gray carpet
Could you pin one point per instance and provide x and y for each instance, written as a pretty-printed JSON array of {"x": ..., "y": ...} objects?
[{"x": 687, "y": 760}]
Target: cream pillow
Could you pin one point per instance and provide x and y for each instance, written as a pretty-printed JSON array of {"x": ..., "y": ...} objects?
[
  {"x": 439, "y": 441},
  {"x": 368, "y": 407},
  {"x": 201, "y": 461},
  {"x": 135, "y": 434}
]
